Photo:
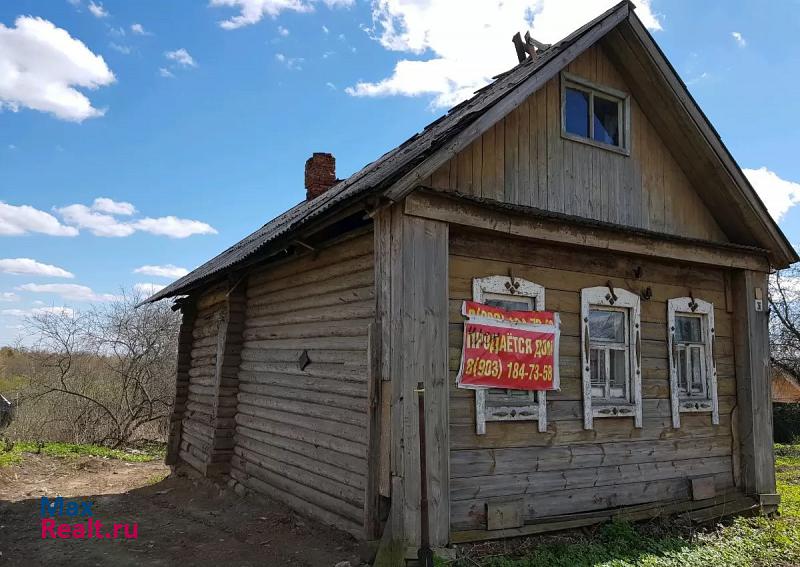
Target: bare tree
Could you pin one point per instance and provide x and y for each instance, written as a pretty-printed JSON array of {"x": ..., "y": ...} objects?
[
  {"x": 784, "y": 321},
  {"x": 106, "y": 373}
]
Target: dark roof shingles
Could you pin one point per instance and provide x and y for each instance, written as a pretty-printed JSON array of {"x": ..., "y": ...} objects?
[{"x": 382, "y": 171}]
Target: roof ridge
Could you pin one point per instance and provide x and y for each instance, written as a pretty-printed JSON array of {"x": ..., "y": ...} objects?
[{"x": 373, "y": 175}]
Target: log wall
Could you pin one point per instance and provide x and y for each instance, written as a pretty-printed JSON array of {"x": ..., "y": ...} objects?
[
  {"x": 568, "y": 469},
  {"x": 301, "y": 419},
  {"x": 197, "y": 424}
]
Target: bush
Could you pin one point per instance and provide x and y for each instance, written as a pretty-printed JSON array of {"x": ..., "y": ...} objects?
[
  {"x": 105, "y": 376},
  {"x": 786, "y": 423}
]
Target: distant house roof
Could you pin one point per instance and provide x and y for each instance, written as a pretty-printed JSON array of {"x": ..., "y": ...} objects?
[
  {"x": 443, "y": 138},
  {"x": 785, "y": 387}
]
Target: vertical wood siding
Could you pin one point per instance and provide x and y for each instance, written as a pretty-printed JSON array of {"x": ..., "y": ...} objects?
[
  {"x": 568, "y": 469},
  {"x": 301, "y": 433},
  {"x": 524, "y": 160}
]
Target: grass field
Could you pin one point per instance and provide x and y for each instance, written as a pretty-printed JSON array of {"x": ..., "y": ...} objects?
[
  {"x": 13, "y": 453},
  {"x": 743, "y": 542}
]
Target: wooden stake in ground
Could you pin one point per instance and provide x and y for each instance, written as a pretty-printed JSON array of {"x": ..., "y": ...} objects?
[{"x": 424, "y": 553}]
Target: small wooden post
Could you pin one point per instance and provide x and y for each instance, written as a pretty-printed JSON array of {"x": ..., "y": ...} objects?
[{"x": 424, "y": 553}]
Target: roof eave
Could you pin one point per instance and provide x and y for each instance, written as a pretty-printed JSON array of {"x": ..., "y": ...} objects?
[{"x": 782, "y": 253}]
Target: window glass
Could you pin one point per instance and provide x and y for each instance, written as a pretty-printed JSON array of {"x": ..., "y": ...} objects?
[
  {"x": 618, "y": 379},
  {"x": 695, "y": 370},
  {"x": 597, "y": 365},
  {"x": 606, "y": 121},
  {"x": 509, "y": 304},
  {"x": 683, "y": 382},
  {"x": 576, "y": 113},
  {"x": 607, "y": 325},
  {"x": 688, "y": 329}
]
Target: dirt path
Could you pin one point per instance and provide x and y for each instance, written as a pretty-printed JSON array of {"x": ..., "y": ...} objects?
[{"x": 181, "y": 521}]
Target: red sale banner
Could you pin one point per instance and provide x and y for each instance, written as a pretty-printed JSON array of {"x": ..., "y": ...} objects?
[
  {"x": 472, "y": 310},
  {"x": 502, "y": 352}
]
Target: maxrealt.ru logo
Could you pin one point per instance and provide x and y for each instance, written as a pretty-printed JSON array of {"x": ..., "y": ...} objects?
[{"x": 85, "y": 528}]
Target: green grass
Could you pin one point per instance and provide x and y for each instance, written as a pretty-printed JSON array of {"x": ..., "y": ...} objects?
[
  {"x": 156, "y": 478},
  {"x": 743, "y": 542},
  {"x": 13, "y": 453}
]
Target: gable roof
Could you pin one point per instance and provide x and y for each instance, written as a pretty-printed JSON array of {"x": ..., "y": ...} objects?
[{"x": 400, "y": 170}]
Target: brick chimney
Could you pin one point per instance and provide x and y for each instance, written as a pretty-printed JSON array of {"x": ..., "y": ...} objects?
[{"x": 320, "y": 174}]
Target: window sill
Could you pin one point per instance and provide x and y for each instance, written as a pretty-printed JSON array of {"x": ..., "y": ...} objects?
[
  {"x": 600, "y": 409},
  {"x": 595, "y": 143},
  {"x": 689, "y": 405},
  {"x": 512, "y": 413}
]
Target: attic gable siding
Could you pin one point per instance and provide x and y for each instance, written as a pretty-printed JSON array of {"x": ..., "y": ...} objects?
[{"x": 524, "y": 160}]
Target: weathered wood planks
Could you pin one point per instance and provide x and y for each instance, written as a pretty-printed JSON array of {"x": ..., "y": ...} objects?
[
  {"x": 524, "y": 159},
  {"x": 301, "y": 418},
  {"x": 569, "y": 470}
]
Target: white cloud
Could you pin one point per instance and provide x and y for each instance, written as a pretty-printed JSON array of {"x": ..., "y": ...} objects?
[
  {"x": 28, "y": 266},
  {"x": 166, "y": 73},
  {"x": 165, "y": 271},
  {"x": 14, "y": 312},
  {"x": 23, "y": 219},
  {"x": 97, "y": 10},
  {"x": 101, "y": 220},
  {"x": 779, "y": 195},
  {"x": 457, "y": 51},
  {"x": 181, "y": 57},
  {"x": 148, "y": 288},
  {"x": 9, "y": 296},
  {"x": 173, "y": 227},
  {"x": 106, "y": 205},
  {"x": 325, "y": 29},
  {"x": 291, "y": 63},
  {"x": 99, "y": 224},
  {"x": 282, "y": 31},
  {"x": 41, "y": 67},
  {"x": 740, "y": 40},
  {"x": 72, "y": 292},
  {"x": 124, "y": 49},
  {"x": 252, "y": 11},
  {"x": 66, "y": 311},
  {"x": 138, "y": 29}
]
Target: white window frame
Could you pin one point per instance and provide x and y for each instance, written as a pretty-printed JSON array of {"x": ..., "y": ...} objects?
[
  {"x": 572, "y": 81},
  {"x": 616, "y": 298},
  {"x": 683, "y": 403},
  {"x": 489, "y": 405}
]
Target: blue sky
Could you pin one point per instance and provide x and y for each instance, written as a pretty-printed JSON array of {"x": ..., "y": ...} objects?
[{"x": 206, "y": 112}]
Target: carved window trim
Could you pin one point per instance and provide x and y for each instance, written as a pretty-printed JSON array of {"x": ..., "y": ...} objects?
[
  {"x": 685, "y": 403},
  {"x": 489, "y": 405},
  {"x": 618, "y": 298}
]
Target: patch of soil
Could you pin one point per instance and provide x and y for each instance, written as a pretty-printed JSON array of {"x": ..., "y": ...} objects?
[{"x": 180, "y": 521}]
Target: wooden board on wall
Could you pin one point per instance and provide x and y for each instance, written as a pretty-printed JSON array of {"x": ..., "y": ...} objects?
[
  {"x": 557, "y": 472},
  {"x": 524, "y": 160}
]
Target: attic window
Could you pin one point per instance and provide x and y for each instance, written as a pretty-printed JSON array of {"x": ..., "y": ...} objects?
[{"x": 594, "y": 114}]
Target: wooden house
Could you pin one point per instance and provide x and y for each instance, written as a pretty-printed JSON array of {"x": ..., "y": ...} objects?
[
  {"x": 585, "y": 181},
  {"x": 785, "y": 387}
]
